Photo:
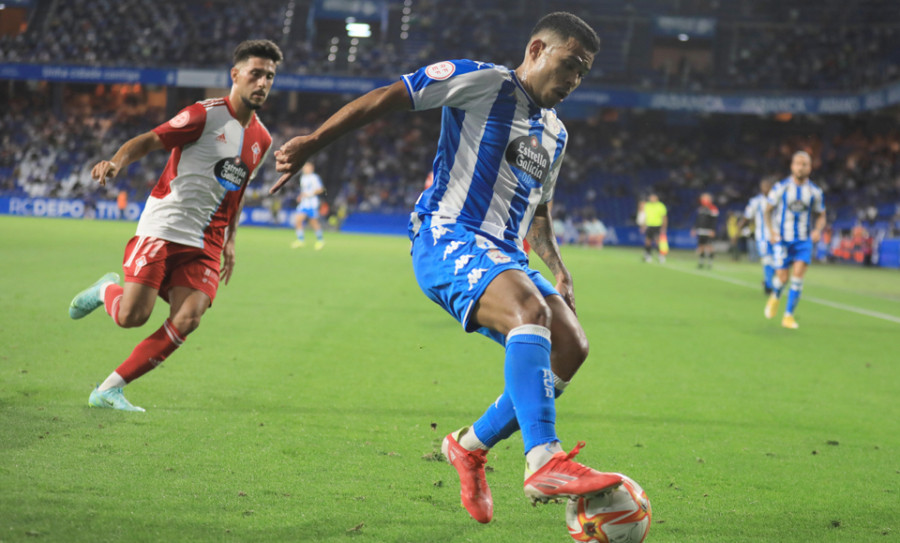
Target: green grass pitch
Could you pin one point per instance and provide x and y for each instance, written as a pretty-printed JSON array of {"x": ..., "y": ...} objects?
[{"x": 310, "y": 403}]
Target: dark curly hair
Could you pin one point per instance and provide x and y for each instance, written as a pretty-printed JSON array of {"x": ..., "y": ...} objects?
[
  {"x": 567, "y": 25},
  {"x": 257, "y": 48}
]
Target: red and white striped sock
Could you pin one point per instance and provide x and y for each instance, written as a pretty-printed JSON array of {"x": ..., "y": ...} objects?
[
  {"x": 151, "y": 352},
  {"x": 111, "y": 295}
]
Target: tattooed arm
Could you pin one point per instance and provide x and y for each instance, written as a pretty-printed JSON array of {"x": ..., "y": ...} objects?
[{"x": 543, "y": 242}]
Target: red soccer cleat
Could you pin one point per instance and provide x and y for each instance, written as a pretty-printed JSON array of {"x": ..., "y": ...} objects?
[
  {"x": 563, "y": 477},
  {"x": 473, "y": 487}
]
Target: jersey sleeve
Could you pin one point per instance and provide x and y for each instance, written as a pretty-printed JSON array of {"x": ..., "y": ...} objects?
[
  {"x": 749, "y": 211},
  {"x": 818, "y": 204},
  {"x": 454, "y": 83},
  {"x": 184, "y": 128},
  {"x": 775, "y": 194}
]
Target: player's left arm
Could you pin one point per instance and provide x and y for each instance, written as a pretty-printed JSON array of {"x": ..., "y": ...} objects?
[
  {"x": 819, "y": 208},
  {"x": 816, "y": 234},
  {"x": 358, "y": 113},
  {"x": 543, "y": 243},
  {"x": 228, "y": 253}
]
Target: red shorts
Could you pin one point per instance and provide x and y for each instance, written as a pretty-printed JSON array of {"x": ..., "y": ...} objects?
[{"x": 163, "y": 264}]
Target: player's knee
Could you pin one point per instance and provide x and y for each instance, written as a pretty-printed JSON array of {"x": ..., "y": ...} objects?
[
  {"x": 132, "y": 316},
  {"x": 536, "y": 311},
  {"x": 186, "y": 323}
]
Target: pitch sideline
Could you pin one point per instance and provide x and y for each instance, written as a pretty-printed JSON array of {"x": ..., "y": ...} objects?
[{"x": 813, "y": 299}]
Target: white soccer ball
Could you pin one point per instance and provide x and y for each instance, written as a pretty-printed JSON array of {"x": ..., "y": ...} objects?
[{"x": 620, "y": 516}]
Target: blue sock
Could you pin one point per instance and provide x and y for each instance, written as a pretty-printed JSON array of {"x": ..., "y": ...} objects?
[
  {"x": 794, "y": 295},
  {"x": 768, "y": 273},
  {"x": 300, "y": 235},
  {"x": 499, "y": 421},
  {"x": 777, "y": 286},
  {"x": 529, "y": 383},
  {"x": 319, "y": 235}
]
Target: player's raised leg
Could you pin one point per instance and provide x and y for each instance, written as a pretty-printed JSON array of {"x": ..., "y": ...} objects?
[
  {"x": 779, "y": 255},
  {"x": 91, "y": 298},
  {"x": 469, "y": 463},
  {"x": 513, "y": 305},
  {"x": 796, "y": 288}
]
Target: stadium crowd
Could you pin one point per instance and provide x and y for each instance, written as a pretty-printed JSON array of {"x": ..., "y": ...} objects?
[
  {"x": 613, "y": 159},
  {"x": 610, "y": 165},
  {"x": 764, "y": 45}
]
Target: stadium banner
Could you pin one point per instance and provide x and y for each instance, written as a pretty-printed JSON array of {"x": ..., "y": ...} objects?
[
  {"x": 61, "y": 73},
  {"x": 394, "y": 224},
  {"x": 740, "y": 104},
  {"x": 586, "y": 100}
]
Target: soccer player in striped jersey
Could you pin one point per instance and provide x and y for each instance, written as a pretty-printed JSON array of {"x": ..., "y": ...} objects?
[
  {"x": 308, "y": 206},
  {"x": 498, "y": 160},
  {"x": 792, "y": 205},
  {"x": 755, "y": 211},
  {"x": 186, "y": 234}
]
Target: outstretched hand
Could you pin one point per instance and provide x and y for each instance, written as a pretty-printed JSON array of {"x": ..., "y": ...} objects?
[
  {"x": 566, "y": 289},
  {"x": 289, "y": 159},
  {"x": 104, "y": 169}
]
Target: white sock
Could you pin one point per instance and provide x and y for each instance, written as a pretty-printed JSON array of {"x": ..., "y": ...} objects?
[
  {"x": 103, "y": 291},
  {"x": 113, "y": 381},
  {"x": 469, "y": 441},
  {"x": 559, "y": 384},
  {"x": 540, "y": 455}
]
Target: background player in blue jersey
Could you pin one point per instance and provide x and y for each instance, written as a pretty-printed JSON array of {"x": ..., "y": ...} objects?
[
  {"x": 498, "y": 159},
  {"x": 308, "y": 206},
  {"x": 756, "y": 212},
  {"x": 792, "y": 203}
]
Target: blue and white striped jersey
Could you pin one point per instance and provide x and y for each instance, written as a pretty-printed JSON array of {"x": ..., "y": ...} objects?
[
  {"x": 499, "y": 153},
  {"x": 794, "y": 206},
  {"x": 756, "y": 212}
]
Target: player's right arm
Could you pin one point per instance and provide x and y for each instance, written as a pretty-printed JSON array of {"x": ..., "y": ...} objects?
[
  {"x": 358, "y": 113},
  {"x": 131, "y": 151},
  {"x": 773, "y": 234}
]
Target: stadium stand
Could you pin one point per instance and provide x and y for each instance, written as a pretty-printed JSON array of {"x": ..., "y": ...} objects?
[{"x": 51, "y": 133}]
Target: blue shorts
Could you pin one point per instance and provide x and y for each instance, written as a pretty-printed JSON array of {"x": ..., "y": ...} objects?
[
  {"x": 311, "y": 212},
  {"x": 454, "y": 264},
  {"x": 785, "y": 253}
]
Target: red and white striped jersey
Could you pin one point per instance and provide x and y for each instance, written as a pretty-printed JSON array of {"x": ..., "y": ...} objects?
[{"x": 213, "y": 160}]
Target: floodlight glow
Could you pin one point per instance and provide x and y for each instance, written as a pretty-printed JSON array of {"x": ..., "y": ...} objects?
[{"x": 359, "y": 30}]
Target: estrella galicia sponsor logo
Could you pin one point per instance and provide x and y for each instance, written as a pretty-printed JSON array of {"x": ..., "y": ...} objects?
[
  {"x": 231, "y": 173},
  {"x": 798, "y": 206},
  {"x": 525, "y": 154}
]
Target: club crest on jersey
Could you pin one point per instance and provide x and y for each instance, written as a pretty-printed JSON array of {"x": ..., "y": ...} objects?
[
  {"x": 180, "y": 120},
  {"x": 256, "y": 150},
  {"x": 440, "y": 71},
  {"x": 528, "y": 159},
  {"x": 231, "y": 173},
  {"x": 497, "y": 256}
]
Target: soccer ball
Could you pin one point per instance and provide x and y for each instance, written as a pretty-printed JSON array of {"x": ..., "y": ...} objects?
[{"x": 620, "y": 516}]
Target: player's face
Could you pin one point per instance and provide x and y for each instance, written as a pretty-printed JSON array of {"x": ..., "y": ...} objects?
[
  {"x": 253, "y": 80},
  {"x": 801, "y": 167},
  {"x": 558, "y": 70}
]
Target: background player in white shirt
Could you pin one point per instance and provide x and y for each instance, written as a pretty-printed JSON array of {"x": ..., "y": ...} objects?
[
  {"x": 308, "y": 205},
  {"x": 792, "y": 204},
  {"x": 189, "y": 223},
  {"x": 756, "y": 212},
  {"x": 498, "y": 159}
]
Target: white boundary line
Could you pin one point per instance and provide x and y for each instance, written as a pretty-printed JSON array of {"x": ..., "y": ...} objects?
[{"x": 820, "y": 301}]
